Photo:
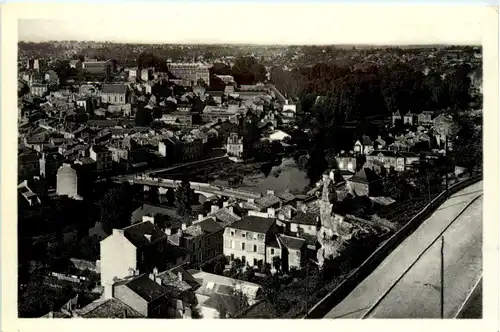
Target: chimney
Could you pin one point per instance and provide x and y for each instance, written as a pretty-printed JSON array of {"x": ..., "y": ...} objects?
[
  {"x": 179, "y": 232},
  {"x": 225, "y": 204},
  {"x": 183, "y": 226},
  {"x": 118, "y": 231},
  {"x": 214, "y": 208},
  {"x": 270, "y": 192},
  {"x": 155, "y": 271},
  {"x": 230, "y": 209},
  {"x": 271, "y": 212},
  {"x": 200, "y": 217},
  {"x": 179, "y": 275},
  {"x": 51, "y": 314},
  {"x": 168, "y": 231}
]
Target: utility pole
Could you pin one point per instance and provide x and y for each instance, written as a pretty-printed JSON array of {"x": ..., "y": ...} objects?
[
  {"x": 307, "y": 290},
  {"x": 442, "y": 277}
]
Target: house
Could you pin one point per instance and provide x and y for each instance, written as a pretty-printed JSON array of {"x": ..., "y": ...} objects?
[
  {"x": 180, "y": 119},
  {"x": 408, "y": 118},
  {"x": 425, "y": 118},
  {"x": 139, "y": 247},
  {"x": 304, "y": 223},
  {"x": 39, "y": 89},
  {"x": 67, "y": 182},
  {"x": 216, "y": 294},
  {"x": 49, "y": 164},
  {"x": 389, "y": 159},
  {"x": 234, "y": 145},
  {"x": 365, "y": 183},
  {"x": 363, "y": 146},
  {"x": 379, "y": 143},
  {"x": 28, "y": 163},
  {"x": 289, "y": 110},
  {"x": 204, "y": 239},
  {"x": 114, "y": 93},
  {"x": 98, "y": 231},
  {"x": 30, "y": 198},
  {"x": 278, "y": 135},
  {"x": 75, "y": 64},
  {"x": 346, "y": 163},
  {"x": 291, "y": 250},
  {"x": 396, "y": 116},
  {"x": 247, "y": 239},
  {"x": 102, "y": 157}
]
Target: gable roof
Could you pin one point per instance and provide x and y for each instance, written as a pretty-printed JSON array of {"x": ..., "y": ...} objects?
[
  {"x": 305, "y": 218},
  {"x": 254, "y": 224},
  {"x": 138, "y": 233},
  {"x": 143, "y": 286},
  {"x": 365, "y": 175},
  {"x": 110, "y": 308},
  {"x": 290, "y": 242},
  {"x": 267, "y": 201},
  {"x": 366, "y": 140}
]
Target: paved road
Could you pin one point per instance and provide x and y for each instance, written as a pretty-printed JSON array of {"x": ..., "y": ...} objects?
[{"x": 417, "y": 294}]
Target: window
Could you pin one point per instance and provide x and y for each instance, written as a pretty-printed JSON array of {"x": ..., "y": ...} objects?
[
  {"x": 254, "y": 248},
  {"x": 243, "y": 246},
  {"x": 272, "y": 251},
  {"x": 255, "y": 236},
  {"x": 232, "y": 233},
  {"x": 243, "y": 234},
  {"x": 255, "y": 263}
]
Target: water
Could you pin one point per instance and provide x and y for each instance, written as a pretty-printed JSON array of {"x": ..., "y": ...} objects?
[{"x": 278, "y": 178}]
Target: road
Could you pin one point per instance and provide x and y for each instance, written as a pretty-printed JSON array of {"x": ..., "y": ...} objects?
[{"x": 417, "y": 294}]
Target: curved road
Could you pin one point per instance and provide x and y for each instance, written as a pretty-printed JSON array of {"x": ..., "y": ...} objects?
[{"x": 398, "y": 288}]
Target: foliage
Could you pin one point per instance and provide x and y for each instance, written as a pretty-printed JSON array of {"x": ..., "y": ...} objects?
[
  {"x": 143, "y": 117},
  {"x": 183, "y": 196},
  {"x": 247, "y": 70},
  {"x": 277, "y": 263},
  {"x": 115, "y": 207}
]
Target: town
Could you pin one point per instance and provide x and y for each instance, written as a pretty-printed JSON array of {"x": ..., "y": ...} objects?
[{"x": 221, "y": 181}]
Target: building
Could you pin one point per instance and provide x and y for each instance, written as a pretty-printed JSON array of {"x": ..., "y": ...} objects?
[
  {"x": 304, "y": 223},
  {"x": 425, "y": 118},
  {"x": 278, "y": 135},
  {"x": 29, "y": 197},
  {"x": 28, "y": 164},
  {"x": 180, "y": 119},
  {"x": 215, "y": 294},
  {"x": 365, "y": 183},
  {"x": 247, "y": 239},
  {"x": 39, "y": 89},
  {"x": 395, "y": 117},
  {"x": 67, "y": 182},
  {"x": 114, "y": 93},
  {"x": 234, "y": 145},
  {"x": 346, "y": 163},
  {"x": 49, "y": 164},
  {"x": 146, "y": 74},
  {"x": 192, "y": 72},
  {"x": 204, "y": 239},
  {"x": 408, "y": 118},
  {"x": 389, "y": 159},
  {"x": 95, "y": 67},
  {"x": 291, "y": 250},
  {"x": 33, "y": 64},
  {"x": 363, "y": 146},
  {"x": 103, "y": 158},
  {"x": 289, "y": 110},
  {"x": 136, "y": 249},
  {"x": 226, "y": 78},
  {"x": 77, "y": 64},
  {"x": 220, "y": 113}
]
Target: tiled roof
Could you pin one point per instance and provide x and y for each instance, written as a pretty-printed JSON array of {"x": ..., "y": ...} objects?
[
  {"x": 305, "y": 218},
  {"x": 254, "y": 224},
  {"x": 209, "y": 226},
  {"x": 366, "y": 140},
  {"x": 137, "y": 233},
  {"x": 290, "y": 242},
  {"x": 171, "y": 278},
  {"x": 286, "y": 196},
  {"x": 146, "y": 288},
  {"x": 114, "y": 88},
  {"x": 267, "y": 201},
  {"x": 110, "y": 308},
  {"x": 225, "y": 217}
]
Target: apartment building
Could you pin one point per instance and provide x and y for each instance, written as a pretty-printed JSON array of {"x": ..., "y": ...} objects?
[{"x": 191, "y": 71}]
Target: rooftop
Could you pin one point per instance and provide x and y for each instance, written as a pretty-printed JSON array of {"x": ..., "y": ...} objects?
[
  {"x": 254, "y": 224},
  {"x": 143, "y": 233},
  {"x": 110, "y": 308}
]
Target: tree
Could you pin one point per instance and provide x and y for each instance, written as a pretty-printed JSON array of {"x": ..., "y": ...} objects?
[
  {"x": 115, "y": 208},
  {"x": 467, "y": 145},
  {"x": 183, "y": 196},
  {"x": 143, "y": 117},
  {"x": 277, "y": 263}
]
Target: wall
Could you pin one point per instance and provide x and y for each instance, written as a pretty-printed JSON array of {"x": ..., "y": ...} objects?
[
  {"x": 249, "y": 241},
  {"x": 308, "y": 229},
  {"x": 118, "y": 255}
]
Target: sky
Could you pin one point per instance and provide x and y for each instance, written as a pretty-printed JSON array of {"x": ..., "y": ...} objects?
[{"x": 255, "y": 24}]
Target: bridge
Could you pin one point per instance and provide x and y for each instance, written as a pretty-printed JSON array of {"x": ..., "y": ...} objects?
[
  {"x": 198, "y": 187},
  {"x": 407, "y": 284}
]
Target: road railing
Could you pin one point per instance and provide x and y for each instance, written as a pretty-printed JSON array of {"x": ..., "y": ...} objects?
[{"x": 370, "y": 264}]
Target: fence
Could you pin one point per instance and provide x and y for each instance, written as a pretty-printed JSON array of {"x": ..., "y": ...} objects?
[{"x": 371, "y": 263}]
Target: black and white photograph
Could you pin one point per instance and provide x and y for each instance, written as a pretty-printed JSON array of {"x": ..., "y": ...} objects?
[{"x": 192, "y": 177}]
